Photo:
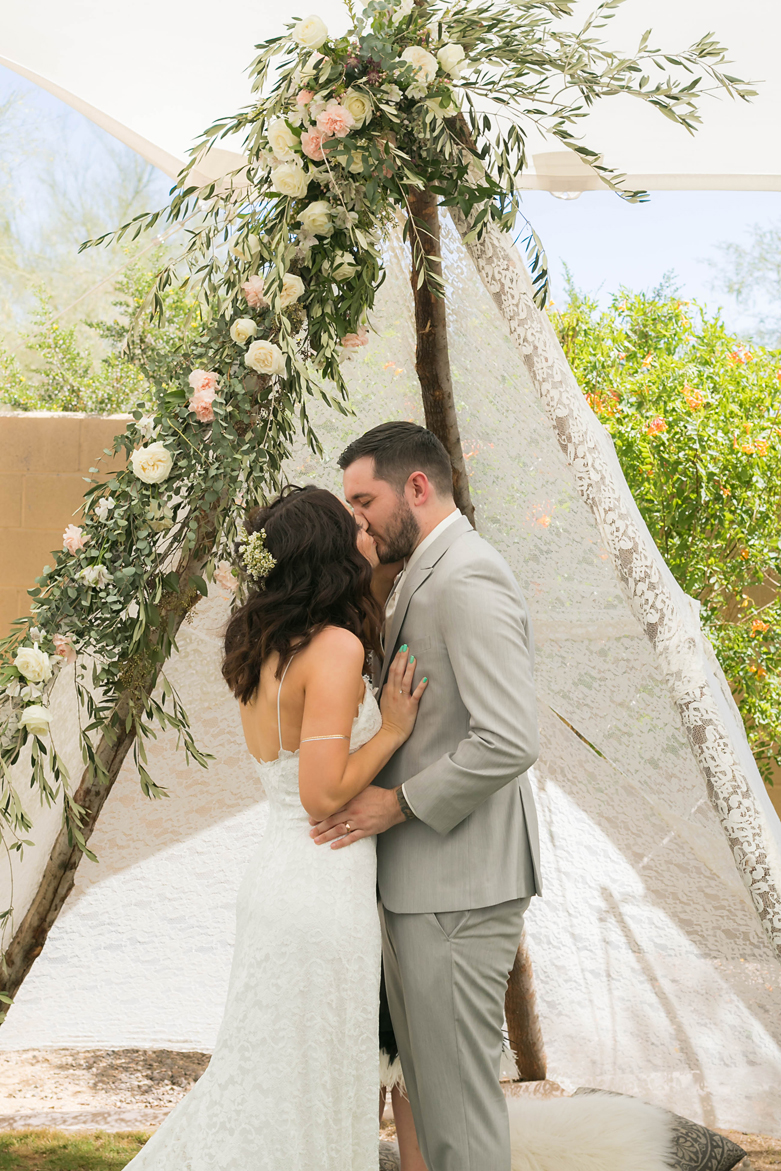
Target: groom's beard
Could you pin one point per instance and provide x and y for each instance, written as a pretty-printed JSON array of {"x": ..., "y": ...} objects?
[{"x": 400, "y": 537}]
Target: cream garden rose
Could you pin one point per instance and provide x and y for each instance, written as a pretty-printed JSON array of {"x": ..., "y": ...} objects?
[
  {"x": 281, "y": 139},
  {"x": 311, "y": 32},
  {"x": 290, "y": 179},
  {"x": 292, "y": 289},
  {"x": 34, "y": 664},
  {"x": 36, "y": 719},
  {"x": 359, "y": 105},
  {"x": 423, "y": 63},
  {"x": 152, "y": 463},
  {"x": 451, "y": 59},
  {"x": 265, "y": 358},
  {"x": 242, "y": 330},
  {"x": 95, "y": 576},
  {"x": 315, "y": 219},
  {"x": 343, "y": 266}
]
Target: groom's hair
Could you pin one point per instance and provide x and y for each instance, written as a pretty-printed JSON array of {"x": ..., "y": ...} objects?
[{"x": 398, "y": 450}]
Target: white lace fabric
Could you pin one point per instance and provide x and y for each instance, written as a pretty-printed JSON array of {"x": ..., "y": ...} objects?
[{"x": 293, "y": 1081}]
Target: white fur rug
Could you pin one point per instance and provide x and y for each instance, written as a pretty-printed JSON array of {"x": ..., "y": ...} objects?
[{"x": 591, "y": 1132}]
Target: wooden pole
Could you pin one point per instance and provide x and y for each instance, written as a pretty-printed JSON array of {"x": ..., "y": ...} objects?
[{"x": 432, "y": 361}]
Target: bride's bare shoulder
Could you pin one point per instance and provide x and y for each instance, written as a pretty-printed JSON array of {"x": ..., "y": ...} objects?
[{"x": 335, "y": 641}]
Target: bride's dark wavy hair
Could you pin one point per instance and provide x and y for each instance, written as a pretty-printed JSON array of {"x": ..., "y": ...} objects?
[{"x": 320, "y": 579}]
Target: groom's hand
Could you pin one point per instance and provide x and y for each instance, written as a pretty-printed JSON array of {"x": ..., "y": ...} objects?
[{"x": 371, "y": 812}]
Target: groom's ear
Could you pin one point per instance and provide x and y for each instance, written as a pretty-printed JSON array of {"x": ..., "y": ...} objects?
[{"x": 419, "y": 489}]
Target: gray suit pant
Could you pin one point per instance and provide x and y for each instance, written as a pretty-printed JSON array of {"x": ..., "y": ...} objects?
[{"x": 446, "y": 976}]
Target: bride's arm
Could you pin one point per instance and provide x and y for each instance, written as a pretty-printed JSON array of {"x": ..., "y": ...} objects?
[{"x": 329, "y": 776}]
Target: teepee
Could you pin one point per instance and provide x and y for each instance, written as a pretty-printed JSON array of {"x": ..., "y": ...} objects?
[{"x": 656, "y": 949}]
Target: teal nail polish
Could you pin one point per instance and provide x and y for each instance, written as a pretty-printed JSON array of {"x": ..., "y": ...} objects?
[
  {"x": 425, "y": 678},
  {"x": 402, "y": 649},
  {"x": 412, "y": 658}
]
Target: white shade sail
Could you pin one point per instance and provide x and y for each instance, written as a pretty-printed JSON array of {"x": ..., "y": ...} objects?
[{"x": 158, "y": 77}]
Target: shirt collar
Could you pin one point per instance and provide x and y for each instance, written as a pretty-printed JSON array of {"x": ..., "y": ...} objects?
[{"x": 420, "y": 549}]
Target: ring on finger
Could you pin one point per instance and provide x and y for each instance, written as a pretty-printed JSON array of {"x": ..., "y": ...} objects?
[{"x": 347, "y": 827}]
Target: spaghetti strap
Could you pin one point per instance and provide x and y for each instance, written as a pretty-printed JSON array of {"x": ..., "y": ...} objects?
[{"x": 279, "y": 693}]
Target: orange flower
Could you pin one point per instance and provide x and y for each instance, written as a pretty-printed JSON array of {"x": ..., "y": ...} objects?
[
  {"x": 761, "y": 673},
  {"x": 740, "y": 356},
  {"x": 656, "y": 426},
  {"x": 745, "y": 554},
  {"x": 762, "y": 447},
  {"x": 747, "y": 448},
  {"x": 647, "y": 360},
  {"x": 694, "y": 398},
  {"x": 758, "y": 627}
]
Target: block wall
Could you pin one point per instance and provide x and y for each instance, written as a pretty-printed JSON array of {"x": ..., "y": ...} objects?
[{"x": 44, "y": 458}]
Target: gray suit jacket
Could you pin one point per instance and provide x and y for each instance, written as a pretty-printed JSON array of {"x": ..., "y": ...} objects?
[{"x": 475, "y": 842}]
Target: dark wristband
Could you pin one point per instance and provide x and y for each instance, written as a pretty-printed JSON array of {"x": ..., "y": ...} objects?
[{"x": 404, "y": 805}]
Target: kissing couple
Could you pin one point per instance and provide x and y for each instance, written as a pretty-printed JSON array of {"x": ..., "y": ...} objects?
[{"x": 404, "y": 792}]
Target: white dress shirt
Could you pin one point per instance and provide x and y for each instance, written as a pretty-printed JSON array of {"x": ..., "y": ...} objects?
[{"x": 412, "y": 560}]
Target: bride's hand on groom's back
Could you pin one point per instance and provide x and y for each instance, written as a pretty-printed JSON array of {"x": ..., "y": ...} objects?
[{"x": 399, "y": 701}]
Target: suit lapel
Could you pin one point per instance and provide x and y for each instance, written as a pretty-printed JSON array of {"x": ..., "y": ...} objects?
[{"x": 414, "y": 580}]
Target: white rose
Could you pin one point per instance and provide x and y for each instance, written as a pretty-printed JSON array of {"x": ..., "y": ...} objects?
[
  {"x": 404, "y": 9},
  {"x": 315, "y": 219},
  {"x": 311, "y": 32},
  {"x": 265, "y": 357},
  {"x": 422, "y": 62},
  {"x": 451, "y": 58},
  {"x": 242, "y": 330},
  {"x": 359, "y": 105},
  {"x": 95, "y": 576},
  {"x": 290, "y": 179},
  {"x": 147, "y": 426},
  {"x": 292, "y": 288},
  {"x": 36, "y": 634},
  {"x": 281, "y": 139},
  {"x": 36, "y": 719},
  {"x": 33, "y": 664},
  {"x": 152, "y": 464},
  {"x": 343, "y": 266}
]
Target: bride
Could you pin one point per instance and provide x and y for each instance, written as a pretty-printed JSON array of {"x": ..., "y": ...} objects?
[{"x": 292, "y": 1084}]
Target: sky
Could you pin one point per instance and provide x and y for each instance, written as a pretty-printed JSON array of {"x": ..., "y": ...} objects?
[{"x": 604, "y": 241}]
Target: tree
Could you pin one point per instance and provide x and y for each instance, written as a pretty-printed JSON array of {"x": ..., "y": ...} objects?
[{"x": 695, "y": 416}]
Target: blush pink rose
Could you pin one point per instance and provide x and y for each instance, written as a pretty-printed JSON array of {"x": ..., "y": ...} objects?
[
  {"x": 203, "y": 380},
  {"x": 64, "y": 647},
  {"x": 201, "y": 405},
  {"x": 354, "y": 341},
  {"x": 253, "y": 291},
  {"x": 312, "y": 144},
  {"x": 304, "y": 97},
  {"x": 73, "y": 539},
  {"x": 335, "y": 120}
]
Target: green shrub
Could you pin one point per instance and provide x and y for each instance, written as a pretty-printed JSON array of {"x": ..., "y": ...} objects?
[
  {"x": 61, "y": 373},
  {"x": 695, "y": 415}
]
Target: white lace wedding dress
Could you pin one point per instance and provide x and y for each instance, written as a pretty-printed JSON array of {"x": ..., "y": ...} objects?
[{"x": 294, "y": 1079}]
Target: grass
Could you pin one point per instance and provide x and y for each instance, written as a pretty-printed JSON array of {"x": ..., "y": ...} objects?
[{"x": 58, "y": 1150}]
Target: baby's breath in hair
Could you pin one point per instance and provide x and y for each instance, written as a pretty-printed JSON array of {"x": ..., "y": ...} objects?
[{"x": 255, "y": 557}]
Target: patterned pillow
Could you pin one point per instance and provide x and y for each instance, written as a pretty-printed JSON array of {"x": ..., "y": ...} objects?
[
  {"x": 695, "y": 1147},
  {"x": 389, "y": 1156}
]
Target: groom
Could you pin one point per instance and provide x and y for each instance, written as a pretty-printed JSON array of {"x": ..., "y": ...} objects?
[{"x": 458, "y": 849}]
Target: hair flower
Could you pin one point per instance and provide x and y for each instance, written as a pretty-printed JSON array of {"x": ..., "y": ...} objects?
[{"x": 255, "y": 557}]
